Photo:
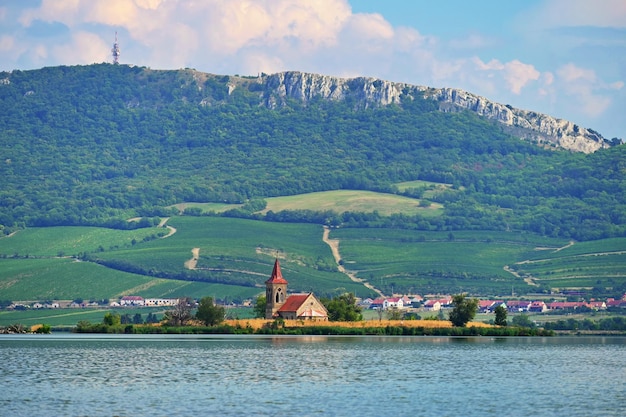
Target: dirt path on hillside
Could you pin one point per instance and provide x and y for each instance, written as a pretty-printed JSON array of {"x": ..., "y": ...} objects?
[
  {"x": 528, "y": 280},
  {"x": 334, "y": 248},
  {"x": 171, "y": 229},
  {"x": 191, "y": 263}
]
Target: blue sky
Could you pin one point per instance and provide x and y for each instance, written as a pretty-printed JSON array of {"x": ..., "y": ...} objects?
[{"x": 566, "y": 58}]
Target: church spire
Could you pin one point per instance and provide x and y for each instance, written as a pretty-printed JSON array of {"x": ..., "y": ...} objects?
[
  {"x": 277, "y": 275},
  {"x": 275, "y": 291}
]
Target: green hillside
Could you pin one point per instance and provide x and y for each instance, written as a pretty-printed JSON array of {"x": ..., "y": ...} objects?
[
  {"x": 233, "y": 258},
  {"x": 94, "y": 145},
  {"x": 419, "y": 199}
]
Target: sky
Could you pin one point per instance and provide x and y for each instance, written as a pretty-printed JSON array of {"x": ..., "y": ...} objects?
[{"x": 565, "y": 58}]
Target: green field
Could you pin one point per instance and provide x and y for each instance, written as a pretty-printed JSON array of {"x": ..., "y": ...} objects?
[
  {"x": 235, "y": 257},
  {"x": 340, "y": 201},
  {"x": 70, "y": 241},
  {"x": 591, "y": 264},
  {"x": 241, "y": 253},
  {"x": 354, "y": 201},
  {"x": 403, "y": 261}
]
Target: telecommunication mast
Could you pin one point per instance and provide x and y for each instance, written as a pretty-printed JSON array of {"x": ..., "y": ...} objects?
[{"x": 116, "y": 51}]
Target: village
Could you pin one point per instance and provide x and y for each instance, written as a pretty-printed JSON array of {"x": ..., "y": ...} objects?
[{"x": 406, "y": 303}]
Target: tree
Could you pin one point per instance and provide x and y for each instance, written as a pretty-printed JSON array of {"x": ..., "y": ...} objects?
[
  {"x": 463, "y": 310},
  {"x": 523, "y": 320},
  {"x": 500, "y": 315},
  {"x": 343, "y": 308},
  {"x": 209, "y": 313},
  {"x": 394, "y": 314},
  {"x": 259, "y": 307},
  {"x": 112, "y": 319},
  {"x": 181, "y": 313},
  {"x": 137, "y": 319},
  {"x": 152, "y": 318}
]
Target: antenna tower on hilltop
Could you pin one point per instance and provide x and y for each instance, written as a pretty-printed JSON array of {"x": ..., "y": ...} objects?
[{"x": 116, "y": 51}]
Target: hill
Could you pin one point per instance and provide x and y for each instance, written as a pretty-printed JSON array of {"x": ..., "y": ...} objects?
[
  {"x": 425, "y": 189},
  {"x": 94, "y": 145}
]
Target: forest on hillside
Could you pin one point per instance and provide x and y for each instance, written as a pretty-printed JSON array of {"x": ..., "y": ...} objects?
[{"x": 97, "y": 144}]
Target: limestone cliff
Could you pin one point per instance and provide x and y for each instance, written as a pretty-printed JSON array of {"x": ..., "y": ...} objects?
[{"x": 370, "y": 92}]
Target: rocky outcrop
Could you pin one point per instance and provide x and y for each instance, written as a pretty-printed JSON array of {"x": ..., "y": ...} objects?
[
  {"x": 305, "y": 87},
  {"x": 529, "y": 125},
  {"x": 370, "y": 92}
]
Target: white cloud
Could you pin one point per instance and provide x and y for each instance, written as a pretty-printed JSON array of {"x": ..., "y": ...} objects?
[
  {"x": 177, "y": 30},
  {"x": 518, "y": 75},
  {"x": 515, "y": 74},
  {"x": 84, "y": 48},
  {"x": 583, "y": 89},
  {"x": 570, "y": 73}
]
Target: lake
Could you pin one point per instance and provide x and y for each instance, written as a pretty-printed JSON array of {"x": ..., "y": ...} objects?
[{"x": 156, "y": 375}]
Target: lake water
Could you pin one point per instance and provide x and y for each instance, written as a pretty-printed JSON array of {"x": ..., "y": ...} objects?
[{"x": 106, "y": 375}]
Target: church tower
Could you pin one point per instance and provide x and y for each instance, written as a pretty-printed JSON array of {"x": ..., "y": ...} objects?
[{"x": 275, "y": 291}]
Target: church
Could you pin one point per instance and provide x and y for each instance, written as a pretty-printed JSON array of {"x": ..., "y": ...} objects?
[{"x": 292, "y": 307}]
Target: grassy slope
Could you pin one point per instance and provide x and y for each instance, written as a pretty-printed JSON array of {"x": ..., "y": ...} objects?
[
  {"x": 585, "y": 264},
  {"x": 354, "y": 201},
  {"x": 55, "y": 241},
  {"x": 239, "y": 251},
  {"x": 417, "y": 261},
  {"x": 341, "y": 201},
  {"x": 244, "y": 250}
]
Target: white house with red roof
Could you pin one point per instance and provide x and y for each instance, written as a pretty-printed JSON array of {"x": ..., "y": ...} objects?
[
  {"x": 290, "y": 307},
  {"x": 393, "y": 302},
  {"x": 432, "y": 305}
]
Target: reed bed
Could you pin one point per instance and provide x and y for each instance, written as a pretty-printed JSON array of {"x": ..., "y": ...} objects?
[{"x": 260, "y": 323}]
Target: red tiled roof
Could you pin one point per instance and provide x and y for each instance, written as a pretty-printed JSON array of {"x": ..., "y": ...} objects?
[
  {"x": 277, "y": 276},
  {"x": 294, "y": 302}
]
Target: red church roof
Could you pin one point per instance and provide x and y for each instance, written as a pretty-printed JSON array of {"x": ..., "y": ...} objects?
[
  {"x": 294, "y": 302},
  {"x": 277, "y": 276}
]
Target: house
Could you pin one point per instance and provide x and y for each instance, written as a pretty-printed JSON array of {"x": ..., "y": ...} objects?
[
  {"x": 596, "y": 305},
  {"x": 394, "y": 302},
  {"x": 484, "y": 306},
  {"x": 377, "y": 304},
  {"x": 432, "y": 305},
  {"x": 159, "y": 302},
  {"x": 613, "y": 303},
  {"x": 132, "y": 300},
  {"x": 446, "y": 301},
  {"x": 416, "y": 301},
  {"x": 496, "y": 304},
  {"x": 516, "y": 306},
  {"x": 565, "y": 305},
  {"x": 366, "y": 303},
  {"x": 292, "y": 307},
  {"x": 538, "y": 307}
]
